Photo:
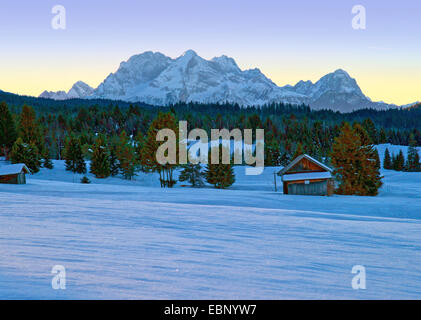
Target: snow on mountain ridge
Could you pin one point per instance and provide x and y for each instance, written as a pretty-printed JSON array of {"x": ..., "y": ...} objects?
[
  {"x": 338, "y": 81},
  {"x": 79, "y": 90},
  {"x": 337, "y": 91},
  {"x": 55, "y": 95},
  {"x": 156, "y": 79},
  {"x": 190, "y": 78}
]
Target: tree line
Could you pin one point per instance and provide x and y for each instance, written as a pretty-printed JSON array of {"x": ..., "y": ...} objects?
[
  {"x": 398, "y": 163},
  {"x": 122, "y": 140}
]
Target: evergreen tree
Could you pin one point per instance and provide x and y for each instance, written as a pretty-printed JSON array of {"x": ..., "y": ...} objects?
[
  {"x": 139, "y": 145},
  {"x": 354, "y": 162},
  {"x": 74, "y": 156},
  {"x": 47, "y": 161},
  {"x": 85, "y": 179},
  {"x": 371, "y": 130},
  {"x": 100, "y": 163},
  {"x": 126, "y": 157},
  {"x": 298, "y": 151},
  {"x": 30, "y": 130},
  {"x": 114, "y": 164},
  {"x": 150, "y": 148},
  {"x": 272, "y": 153},
  {"x": 220, "y": 175},
  {"x": 344, "y": 156},
  {"x": 8, "y": 134},
  {"x": 25, "y": 153},
  {"x": 377, "y": 159},
  {"x": 382, "y": 136},
  {"x": 369, "y": 170},
  {"x": 192, "y": 173},
  {"x": 387, "y": 161},
  {"x": 399, "y": 162},
  {"x": 393, "y": 162},
  {"x": 413, "y": 161},
  {"x": 365, "y": 139}
]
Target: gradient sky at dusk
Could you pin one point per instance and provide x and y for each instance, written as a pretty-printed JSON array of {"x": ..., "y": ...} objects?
[{"x": 288, "y": 40}]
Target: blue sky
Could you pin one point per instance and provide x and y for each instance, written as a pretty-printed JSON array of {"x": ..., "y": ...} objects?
[{"x": 287, "y": 40}]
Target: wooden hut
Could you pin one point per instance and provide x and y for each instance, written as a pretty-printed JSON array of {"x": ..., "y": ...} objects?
[
  {"x": 307, "y": 176},
  {"x": 14, "y": 173}
]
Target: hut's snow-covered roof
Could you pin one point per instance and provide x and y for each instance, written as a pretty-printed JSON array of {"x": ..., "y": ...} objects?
[
  {"x": 13, "y": 169},
  {"x": 298, "y": 159},
  {"x": 307, "y": 176}
]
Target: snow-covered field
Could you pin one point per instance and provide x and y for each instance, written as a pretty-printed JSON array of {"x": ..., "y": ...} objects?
[{"x": 131, "y": 239}]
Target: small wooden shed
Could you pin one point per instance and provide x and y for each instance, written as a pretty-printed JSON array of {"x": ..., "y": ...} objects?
[
  {"x": 14, "y": 173},
  {"x": 307, "y": 176}
]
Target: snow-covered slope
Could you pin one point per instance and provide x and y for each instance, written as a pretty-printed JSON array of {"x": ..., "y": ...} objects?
[
  {"x": 393, "y": 150},
  {"x": 79, "y": 90},
  {"x": 123, "y": 239},
  {"x": 156, "y": 79}
]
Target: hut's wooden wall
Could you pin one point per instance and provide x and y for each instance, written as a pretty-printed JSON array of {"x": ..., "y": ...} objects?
[
  {"x": 320, "y": 187},
  {"x": 313, "y": 188},
  {"x": 19, "y": 178}
]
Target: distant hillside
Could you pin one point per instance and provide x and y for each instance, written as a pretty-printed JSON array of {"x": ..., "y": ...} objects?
[
  {"x": 51, "y": 105},
  {"x": 414, "y": 107}
]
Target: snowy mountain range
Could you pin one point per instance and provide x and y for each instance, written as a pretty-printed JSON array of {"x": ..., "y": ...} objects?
[
  {"x": 79, "y": 90},
  {"x": 154, "y": 78}
]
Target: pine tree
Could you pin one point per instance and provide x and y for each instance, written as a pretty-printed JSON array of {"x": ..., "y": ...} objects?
[
  {"x": 8, "y": 134},
  {"x": 47, "y": 161},
  {"x": 345, "y": 153},
  {"x": 413, "y": 161},
  {"x": 150, "y": 148},
  {"x": 192, "y": 173},
  {"x": 371, "y": 130},
  {"x": 382, "y": 136},
  {"x": 85, "y": 180},
  {"x": 114, "y": 164},
  {"x": 393, "y": 162},
  {"x": 377, "y": 159},
  {"x": 25, "y": 153},
  {"x": 220, "y": 175},
  {"x": 139, "y": 145},
  {"x": 30, "y": 130},
  {"x": 387, "y": 161},
  {"x": 298, "y": 151},
  {"x": 126, "y": 157},
  {"x": 369, "y": 170},
  {"x": 353, "y": 158},
  {"x": 100, "y": 163},
  {"x": 69, "y": 150},
  {"x": 272, "y": 153},
  {"x": 74, "y": 156},
  {"x": 399, "y": 162}
]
